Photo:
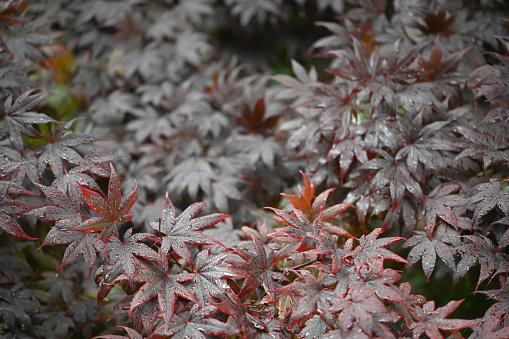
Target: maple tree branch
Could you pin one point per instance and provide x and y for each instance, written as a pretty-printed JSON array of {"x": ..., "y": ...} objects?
[
  {"x": 179, "y": 265},
  {"x": 294, "y": 268}
]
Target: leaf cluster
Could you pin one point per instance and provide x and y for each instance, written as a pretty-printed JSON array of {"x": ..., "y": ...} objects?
[{"x": 394, "y": 113}]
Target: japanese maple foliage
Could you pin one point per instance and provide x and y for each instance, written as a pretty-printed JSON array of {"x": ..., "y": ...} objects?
[{"x": 325, "y": 179}]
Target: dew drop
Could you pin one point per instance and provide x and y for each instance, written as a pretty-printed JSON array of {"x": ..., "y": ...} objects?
[{"x": 56, "y": 275}]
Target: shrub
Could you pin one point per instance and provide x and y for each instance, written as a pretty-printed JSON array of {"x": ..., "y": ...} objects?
[{"x": 353, "y": 139}]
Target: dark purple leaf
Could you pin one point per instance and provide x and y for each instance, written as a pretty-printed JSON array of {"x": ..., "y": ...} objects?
[{"x": 184, "y": 229}]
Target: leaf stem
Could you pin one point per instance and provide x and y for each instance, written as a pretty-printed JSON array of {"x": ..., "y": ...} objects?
[
  {"x": 294, "y": 268},
  {"x": 179, "y": 265}
]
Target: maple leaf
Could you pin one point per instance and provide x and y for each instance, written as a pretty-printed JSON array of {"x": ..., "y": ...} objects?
[
  {"x": 335, "y": 108},
  {"x": 372, "y": 71},
  {"x": 225, "y": 87},
  {"x": 285, "y": 305},
  {"x": 255, "y": 120},
  {"x": 313, "y": 206},
  {"x": 297, "y": 88},
  {"x": 395, "y": 174},
  {"x": 57, "y": 288},
  {"x": 346, "y": 149},
  {"x": 487, "y": 326},
  {"x": 66, "y": 210},
  {"x": 482, "y": 144},
  {"x": 371, "y": 248},
  {"x": 209, "y": 276},
  {"x": 72, "y": 181},
  {"x": 194, "y": 10},
  {"x": 338, "y": 39},
  {"x": 18, "y": 165},
  {"x": 305, "y": 135},
  {"x": 409, "y": 300},
  {"x": 485, "y": 251},
  {"x": 147, "y": 63},
  {"x": 13, "y": 267},
  {"x": 431, "y": 321},
  {"x": 192, "y": 327},
  {"x": 405, "y": 213},
  {"x": 314, "y": 328},
  {"x": 244, "y": 317},
  {"x": 161, "y": 284},
  {"x": 423, "y": 147},
  {"x": 358, "y": 309},
  {"x": 360, "y": 66},
  {"x": 112, "y": 108},
  {"x": 303, "y": 200},
  {"x": 489, "y": 195},
  {"x": 261, "y": 231},
  {"x": 11, "y": 206},
  {"x": 439, "y": 203},
  {"x": 398, "y": 65},
  {"x": 149, "y": 125},
  {"x": 380, "y": 280},
  {"x": 500, "y": 309},
  {"x": 440, "y": 69},
  {"x": 490, "y": 81},
  {"x": 10, "y": 186},
  {"x": 463, "y": 266},
  {"x": 502, "y": 241},
  {"x": 208, "y": 124},
  {"x": 443, "y": 243},
  {"x": 17, "y": 306},
  {"x": 145, "y": 315},
  {"x": 390, "y": 91},
  {"x": 225, "y": 233},
  {"x": 106, "y": 276},
  {"x": 223, "y": 188},
  {"x": 59, "y": 146},
  {"x": 191, "y": 47},
  {"x": 133, "y": 334},
  {"x": 112, "y": 211},
  {"x": 256, "y": 268},
  {"x": 191, "y": 175},
  {"x": 248, "y": 10},
  {"x": 299, "y": 227},
  {"x": 93, "y": 163},
  {"x": 184, "y": 229},
  {"x": 23, "y": 39},
  {"x": 80, "y": 243},
  {"x": 255, "y": 148},
  {"x": 125, "y": 252},
  {"x": 61, "y": 62},
  {"x": 364, "y": 200},
  {"x": 313, "y": 294},
  {"x": 18, "y": 118},
  {"x": 338, "y": 255}
]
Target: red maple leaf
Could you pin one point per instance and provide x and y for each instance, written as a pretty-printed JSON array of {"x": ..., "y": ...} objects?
[{"x": 112, "y": 211}]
